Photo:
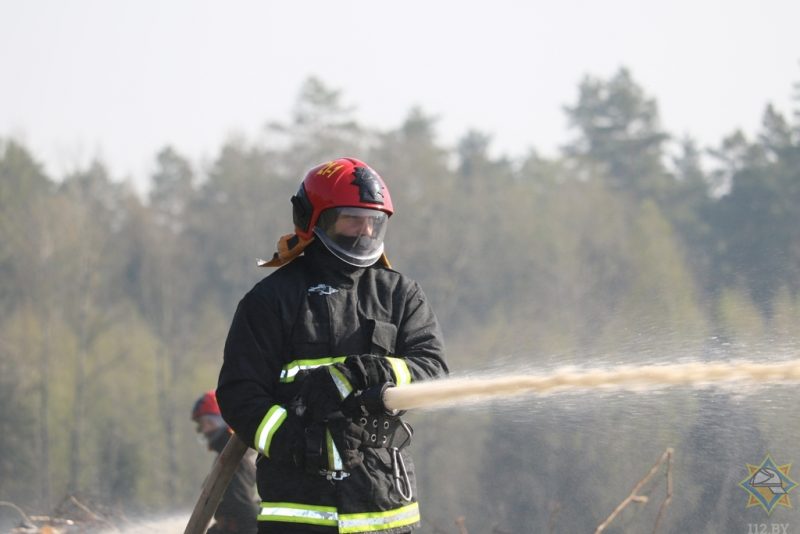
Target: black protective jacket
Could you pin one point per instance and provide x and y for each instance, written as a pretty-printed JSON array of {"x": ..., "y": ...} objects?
[{"x": 313, "y": 312}]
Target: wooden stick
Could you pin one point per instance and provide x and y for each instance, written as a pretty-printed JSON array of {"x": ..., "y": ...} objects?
[
  {"x": 25, "y": 518},
  {"x": 215, "y": 485},
  {"x": 635, "y": 497},
  {"x": 93, "y": 516},
  {"x": 668, "y": 498}
]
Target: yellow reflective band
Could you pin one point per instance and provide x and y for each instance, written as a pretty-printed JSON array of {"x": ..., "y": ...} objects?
[
  {"x": 341, "y": 381},
  {"x": 377, "y": 521},
  {"x": 334, "y": 460},
  {"x": 290, "y": 370},
  {"x": 269, "y": 425},
  {"x": 402, "y": 375},
  {"x": 288, "y": 512}
]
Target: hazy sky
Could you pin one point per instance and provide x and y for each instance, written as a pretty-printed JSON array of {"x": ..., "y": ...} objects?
[{"x": 120, "y": 79}]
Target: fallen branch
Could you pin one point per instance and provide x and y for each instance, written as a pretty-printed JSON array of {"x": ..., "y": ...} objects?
[
  {"x": 25, "y": 519},
  {"x": 643, "y": 499},
  {"x": 92, "y": 516},
  {"x": 668, "y": 497}
]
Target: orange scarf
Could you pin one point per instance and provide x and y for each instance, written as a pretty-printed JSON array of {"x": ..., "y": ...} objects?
[{"x": 289, "y": 247}]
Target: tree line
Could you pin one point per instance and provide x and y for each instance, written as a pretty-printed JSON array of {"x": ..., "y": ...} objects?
[{"x": 630, "y": 245}]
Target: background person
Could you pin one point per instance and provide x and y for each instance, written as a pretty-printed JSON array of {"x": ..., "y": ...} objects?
[{"x": 238, "y": 508}]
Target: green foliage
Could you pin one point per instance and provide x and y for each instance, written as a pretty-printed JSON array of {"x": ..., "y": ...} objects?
[
  {"x": 619, "y": 134},
  {"x": 23, "y": 188},
  {"x": 321, "y": 125},
  {"x": 17, "y": 409},
  {"x": 756, "y": 220},
  {"x": 738, "y": 317},
  {"x": 659, "y": 295}
]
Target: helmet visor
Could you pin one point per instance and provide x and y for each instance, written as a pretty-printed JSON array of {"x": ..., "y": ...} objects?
[{"x": 354, "y": 235}]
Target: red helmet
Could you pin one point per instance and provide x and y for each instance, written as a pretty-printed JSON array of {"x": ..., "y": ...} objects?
[
  {"x": 206, "y": 405},
  {"x": 344, "y": 187}
]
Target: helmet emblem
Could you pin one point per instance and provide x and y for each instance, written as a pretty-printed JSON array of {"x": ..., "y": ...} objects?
[
  {"x": 329, "y": 169},
  {"x": 369, "y": 188}
]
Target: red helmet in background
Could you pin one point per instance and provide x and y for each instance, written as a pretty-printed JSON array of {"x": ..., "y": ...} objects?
[
  {"x": 206, "y": 405},
  {"x": 344, "y": 188}
]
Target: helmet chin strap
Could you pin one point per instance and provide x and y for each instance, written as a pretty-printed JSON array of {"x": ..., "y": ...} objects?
[
  {"x": 357, "y": 242},
  {"x": 353, "y": 243}
]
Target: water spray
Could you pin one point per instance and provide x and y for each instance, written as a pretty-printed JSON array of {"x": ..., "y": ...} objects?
[{"x": 451, "y": 391}]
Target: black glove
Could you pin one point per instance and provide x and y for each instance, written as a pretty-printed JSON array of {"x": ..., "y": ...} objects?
[
  {"x": 369, "y": 400},
  {"x": 319, "y": 395},
  {"x": 367, "y": 370}
]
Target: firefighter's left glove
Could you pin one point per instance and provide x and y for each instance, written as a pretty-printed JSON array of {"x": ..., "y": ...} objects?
[{"x": 320, "y": 395}]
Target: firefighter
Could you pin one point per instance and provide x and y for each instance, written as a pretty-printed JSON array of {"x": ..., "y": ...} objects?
[
  {"x": 236, "y": 513},
  {"x": 311, "y": 350}
]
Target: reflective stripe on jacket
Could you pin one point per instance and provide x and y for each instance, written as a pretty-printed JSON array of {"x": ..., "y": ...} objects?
[{"x": 328, "y": 516}]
